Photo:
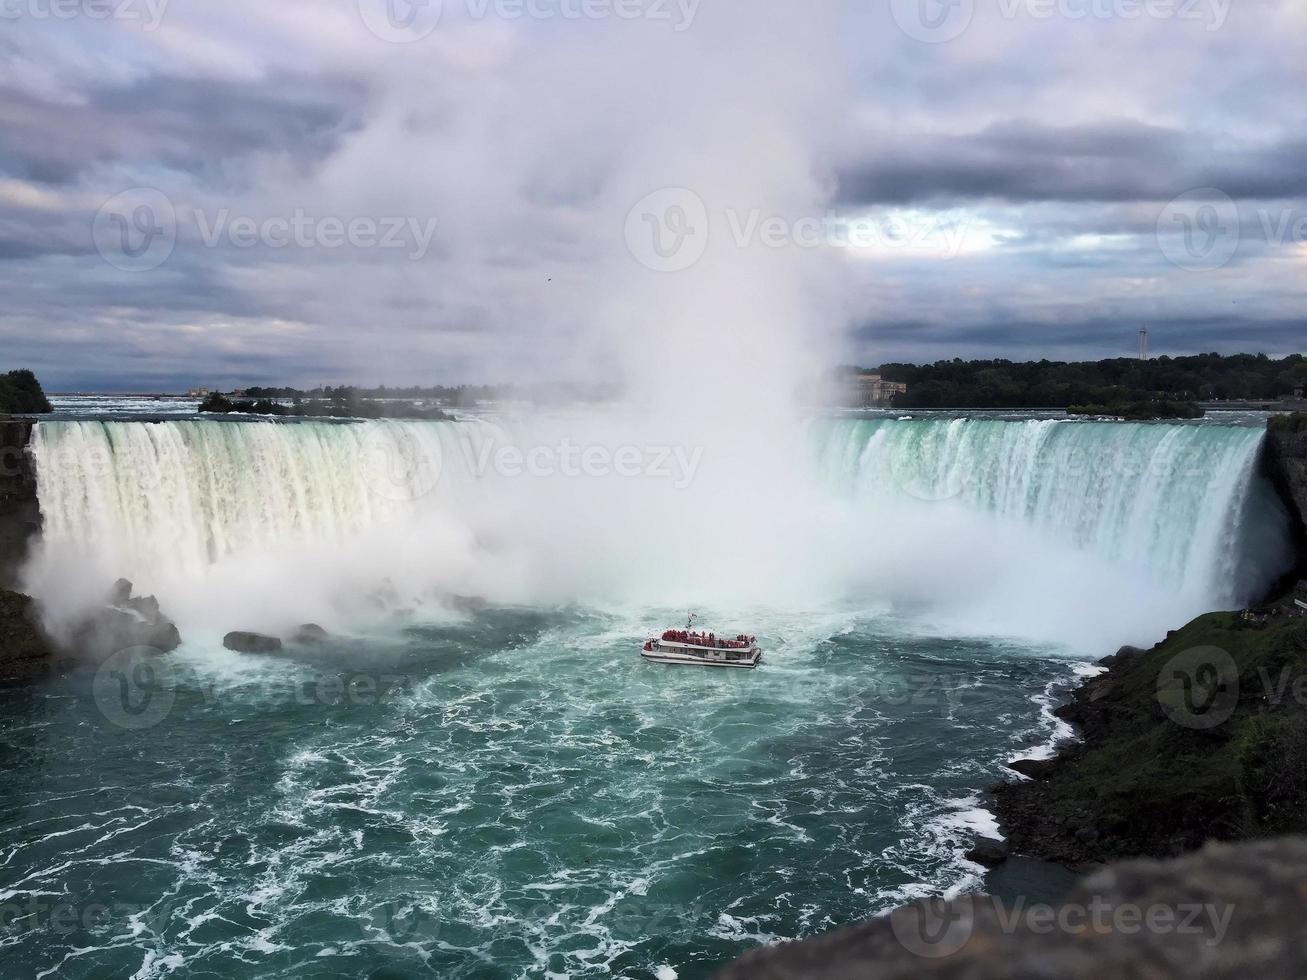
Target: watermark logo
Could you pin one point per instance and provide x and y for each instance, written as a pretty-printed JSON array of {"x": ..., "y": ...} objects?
[
  {"x": 135, "y": 231},
  {"x": 147, "y": 13},
  {"x": 933, "y": 21},
  {"x": 399, "y": 465},
  {"x": 940, "y": 21},
  {"x": 930, "y": 477},
  {"x": 401, "y": 21},
  {"x": 135, "y": 688},
  {"x": 668, "y": 230},
  {"x": 1199, "y": 688},
  {"x": 571, "y": 461},
  {"x": 405, "y": 911},
  {"x": 406, "y": 21},
  {"x": 934, "y": 928},
  {"x": 1211, "y": 14},
  {"x": 1199, "y": 230}
]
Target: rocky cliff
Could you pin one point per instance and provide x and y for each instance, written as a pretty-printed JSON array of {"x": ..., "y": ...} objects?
[
  {"x": 1225, "y": 912},
  {"x": 20, "y": 517},
  {"x": 1285, "y": 463}
]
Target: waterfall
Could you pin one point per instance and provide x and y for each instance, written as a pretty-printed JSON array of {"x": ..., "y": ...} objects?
[
  {"x": 1183, "y": 501},
  {"x": 1079, "y": 532}
]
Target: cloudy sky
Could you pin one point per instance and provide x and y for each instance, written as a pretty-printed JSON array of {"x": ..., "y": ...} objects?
[{"x": 482, "y": 190}]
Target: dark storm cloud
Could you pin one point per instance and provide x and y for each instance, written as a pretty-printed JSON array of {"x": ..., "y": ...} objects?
[
  {"x": 1020, "y": 161},
  {"x": 1087, "y": 337},
  {"x": 196, "y": 125}
]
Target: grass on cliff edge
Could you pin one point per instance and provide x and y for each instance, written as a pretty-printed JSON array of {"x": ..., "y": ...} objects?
[
  {"x": 1291, "y": 422},
  {"x": 1157, "y": 774}
]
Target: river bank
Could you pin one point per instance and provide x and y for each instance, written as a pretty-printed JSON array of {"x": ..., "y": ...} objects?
[{"x": 1199, "y": 738}]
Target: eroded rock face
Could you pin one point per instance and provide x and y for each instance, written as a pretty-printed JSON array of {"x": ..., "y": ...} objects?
[
  {"x": 25, "y": 652},
  {"x": 1228, "y": 911},
  {"x": 1285, "y": 463},
  {"x": 308, "y": 634},
  {"x": 243, "y": 642},
  {"x": 124, "y": 621},
  {"x": 20, "y": 517}
]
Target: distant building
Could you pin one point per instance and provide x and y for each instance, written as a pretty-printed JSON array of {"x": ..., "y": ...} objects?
[
  {"x": 198, "y": 393},
  {"x": 873, "y": 391}
]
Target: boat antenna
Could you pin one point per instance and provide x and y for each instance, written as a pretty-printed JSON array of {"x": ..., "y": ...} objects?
[{"x": 689, "y": 623}]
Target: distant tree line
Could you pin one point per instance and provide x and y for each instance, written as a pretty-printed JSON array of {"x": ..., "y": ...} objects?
[
  {"x": 1122, "y": 381},
  {"x": 21, "y": 394},
  {"x": 461, "y": 395},
  {"x": 343, "y": 403}
]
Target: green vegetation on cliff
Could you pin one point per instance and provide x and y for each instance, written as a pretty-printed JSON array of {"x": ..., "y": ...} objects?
[
  {"x": 1142, "y": 411},
  {"x": 343, "y": 406},
  {"x": 1056, "y": 384},
  {"x": 1203, "y": 737},
  {"x": 1292, "y": 422},
  {"x": 21, "y": 394}
]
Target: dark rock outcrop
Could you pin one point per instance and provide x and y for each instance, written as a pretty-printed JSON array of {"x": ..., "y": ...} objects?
[
  {"x": 1033, "y": 768},
  {"x": 243, "y": 642},
  {"x": 124, "y": 621},
  {"x": 20, "y": 517},
  {"x": 308, "y": 635},
  {"x": 1284, "y": 462},
  {"x": 988, "y": 852},
  {"x": 25, "y": 651},
  {"x": 1224, "y": 913},
  {"x": 1201, "y": 738}
]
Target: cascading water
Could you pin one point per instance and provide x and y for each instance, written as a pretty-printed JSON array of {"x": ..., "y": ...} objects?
[
  {"x": 1007, "y": 521},
  {"x": 1182, "y": 501}
]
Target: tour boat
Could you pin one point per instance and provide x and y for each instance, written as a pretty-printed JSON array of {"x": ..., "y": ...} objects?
[{"x": 692, "y": 648}]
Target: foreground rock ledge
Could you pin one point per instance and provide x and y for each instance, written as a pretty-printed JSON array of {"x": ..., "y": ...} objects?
[{"x": 1233, "y": 911}]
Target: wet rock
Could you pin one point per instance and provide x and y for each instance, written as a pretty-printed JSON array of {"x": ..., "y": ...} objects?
[
  {"x": 25, "y": 651},
  {"x": 1036, "y": 769},
  {"x": 1223, "y": 913},
  {"x": 468, "y": 603},
  {"x": 126, "y": 621},
  {"x": 120, "y": 593},
  {"x": 988, "y": 852},
  {"x": 308, "y": 634},
  {"x": 20, "y": 516},
  {"x": 1121, "y": 656},
  {"x": 243, "y": 642}
]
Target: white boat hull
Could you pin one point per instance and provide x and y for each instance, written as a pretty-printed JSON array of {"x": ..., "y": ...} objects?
[{"x": 685, "y": 655}]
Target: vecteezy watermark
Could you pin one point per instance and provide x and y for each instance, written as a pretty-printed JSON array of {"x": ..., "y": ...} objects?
[
  {"x": 404, "y": 911},
  {"x": 939, "y": 21},
  {"x": 401, "y": 463},
  {"x": 138, "y": 229},
  {"x": 1199, "y": 688},
  {"x": 1199, "y": 230},
  {"x": 670, "y": 229},
  {"x": 933, "y": 21},
  {"x": 407, "y": 21},
  {"x": 29, "y": 912},
  {"x": 1202, "y": 687},
  {"x": 148, "y": 13},
  {"x": 135, "y": 688},
  {"x": 935, "y": 929},
  {"x": 570, "y": 461}
]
